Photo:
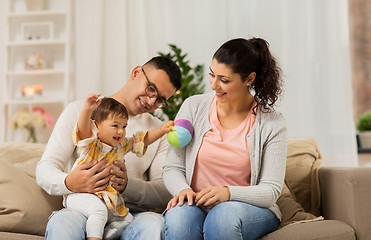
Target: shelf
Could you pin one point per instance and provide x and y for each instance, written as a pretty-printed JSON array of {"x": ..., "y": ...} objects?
[
  {"x": 364, "y": 150},
  {"x": 36, "y": 14},
  {"x": 46, "y": 32},
  {"x": 42, "y": 72},
  {"x": 39, "y": 100},
  {"x": 35, "y": 43}
]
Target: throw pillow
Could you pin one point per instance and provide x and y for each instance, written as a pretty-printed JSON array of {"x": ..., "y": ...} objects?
[
  {"x": 302, "y": 165},
  {"x": 290, "y": 209},
  {"x": 24, "y": 206}
]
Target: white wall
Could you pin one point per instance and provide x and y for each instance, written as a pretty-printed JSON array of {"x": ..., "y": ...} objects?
[{"x": 309, "y": 38}]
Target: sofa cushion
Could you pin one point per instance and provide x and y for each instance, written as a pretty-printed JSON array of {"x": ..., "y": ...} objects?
[
  {"x": 302, "y": 165},
  {"x": 24, "y": 206},
  {"x": 318, "y": 230},
  {"x": 19, "y": 236}
]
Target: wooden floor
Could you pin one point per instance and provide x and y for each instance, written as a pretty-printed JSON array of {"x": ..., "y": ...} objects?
[{"x": 364, "y": 159}]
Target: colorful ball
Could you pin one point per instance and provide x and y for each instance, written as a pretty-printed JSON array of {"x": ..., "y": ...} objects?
[{"x": 181, "y": 134}]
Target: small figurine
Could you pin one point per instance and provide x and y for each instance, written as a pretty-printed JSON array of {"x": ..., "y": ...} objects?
[{"x": 35, "y": 61}]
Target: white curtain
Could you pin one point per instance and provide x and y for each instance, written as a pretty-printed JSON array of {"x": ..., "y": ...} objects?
[{"x": 309, "y": 38}]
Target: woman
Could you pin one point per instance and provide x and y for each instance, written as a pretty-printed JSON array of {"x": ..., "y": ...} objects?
[{"x": 232, "y": 172}]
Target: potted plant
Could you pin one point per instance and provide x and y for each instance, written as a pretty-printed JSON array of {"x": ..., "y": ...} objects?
[{"x": 364, "y": 129}]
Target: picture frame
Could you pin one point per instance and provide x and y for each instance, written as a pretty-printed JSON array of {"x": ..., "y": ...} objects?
[{"x": 36, "y": 31}]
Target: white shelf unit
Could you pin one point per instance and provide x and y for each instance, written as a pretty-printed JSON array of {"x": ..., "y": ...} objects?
[{"x": 48, "y": 34}]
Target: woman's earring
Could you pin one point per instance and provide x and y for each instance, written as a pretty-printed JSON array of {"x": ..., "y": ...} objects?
[{"x": 251, "y": 89}]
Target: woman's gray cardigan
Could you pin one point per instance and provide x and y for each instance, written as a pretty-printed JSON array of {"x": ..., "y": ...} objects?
[{"x": 268, "y": 147}]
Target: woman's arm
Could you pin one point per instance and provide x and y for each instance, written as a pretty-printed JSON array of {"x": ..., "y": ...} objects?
[{"x": 174, "y": 173}]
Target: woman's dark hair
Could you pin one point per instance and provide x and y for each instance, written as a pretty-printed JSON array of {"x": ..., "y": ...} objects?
[
  {"x": 253, "y": 55},
  {"x": 169, "y": 66},
  {"x": 108, "y": 107}
]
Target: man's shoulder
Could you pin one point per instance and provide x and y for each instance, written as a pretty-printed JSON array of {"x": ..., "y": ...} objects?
[
  {"x": 76, "y": 104},
  {"x": 72, "y": 110}
]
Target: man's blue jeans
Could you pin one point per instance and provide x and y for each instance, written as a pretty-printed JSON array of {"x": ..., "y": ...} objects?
[
  {"x": 227, "y": 220},
  {"x": 67, "y": 224}
]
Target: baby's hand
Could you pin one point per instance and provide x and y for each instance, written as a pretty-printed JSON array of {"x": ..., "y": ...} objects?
[
  {"x": 167, "y": 126},
  {"x": 92, "y": 102}
]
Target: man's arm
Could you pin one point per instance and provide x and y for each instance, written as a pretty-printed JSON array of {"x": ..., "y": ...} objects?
[
  {"x": 51, "y": 170},
  {"x": 145, "y": 187},
  {"x": 151, "y": 193}
]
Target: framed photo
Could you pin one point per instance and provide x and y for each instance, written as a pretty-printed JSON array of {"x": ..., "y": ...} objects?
[{"x": 35, "y": 31}]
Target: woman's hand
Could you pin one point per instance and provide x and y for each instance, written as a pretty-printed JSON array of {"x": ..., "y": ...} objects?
[
  {"x": 120, "y": 176},
  {"x": 88, "y": 178},
  {"x": 186, "y": 194},
  {"x": 212, "y": 196}
]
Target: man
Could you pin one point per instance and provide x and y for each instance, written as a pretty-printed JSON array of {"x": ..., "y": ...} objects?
[{"x": 148, "y": 88}]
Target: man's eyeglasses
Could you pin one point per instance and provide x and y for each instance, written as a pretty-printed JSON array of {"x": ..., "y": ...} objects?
[{"x": 152, "y": 92}]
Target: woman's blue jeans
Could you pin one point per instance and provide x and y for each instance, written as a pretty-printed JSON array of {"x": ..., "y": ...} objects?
[{"x": 227, "y": 220}]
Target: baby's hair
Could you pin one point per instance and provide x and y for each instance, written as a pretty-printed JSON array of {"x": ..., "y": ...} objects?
[{"x": 109, "y": 107}]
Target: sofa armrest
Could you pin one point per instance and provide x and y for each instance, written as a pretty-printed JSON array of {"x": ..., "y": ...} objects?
[{"x": 345, "y": 196}]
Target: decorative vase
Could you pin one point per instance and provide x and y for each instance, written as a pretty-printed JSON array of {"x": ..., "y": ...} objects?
[
  {"x": 32, "y": 135},
  {"x": 365, "y": 139},
  {"x": 35, "y": 5}
]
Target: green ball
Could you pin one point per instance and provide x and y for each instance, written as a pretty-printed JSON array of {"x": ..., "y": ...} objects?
[{"x": 173, "y": 139}]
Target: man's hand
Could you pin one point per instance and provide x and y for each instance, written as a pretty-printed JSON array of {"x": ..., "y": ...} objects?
[
  {"x": 120, "y": 176},
  {"x": 87, "y": 178}
]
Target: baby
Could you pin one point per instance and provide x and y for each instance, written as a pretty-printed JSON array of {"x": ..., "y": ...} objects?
[{"x": 100, "y": 134}]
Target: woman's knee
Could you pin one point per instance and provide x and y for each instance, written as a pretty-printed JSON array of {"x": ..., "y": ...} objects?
[
  {"x": 183, "y": 215},
  {"x": 184, "y": 222},
  {"x": 237, "y": 220}
]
